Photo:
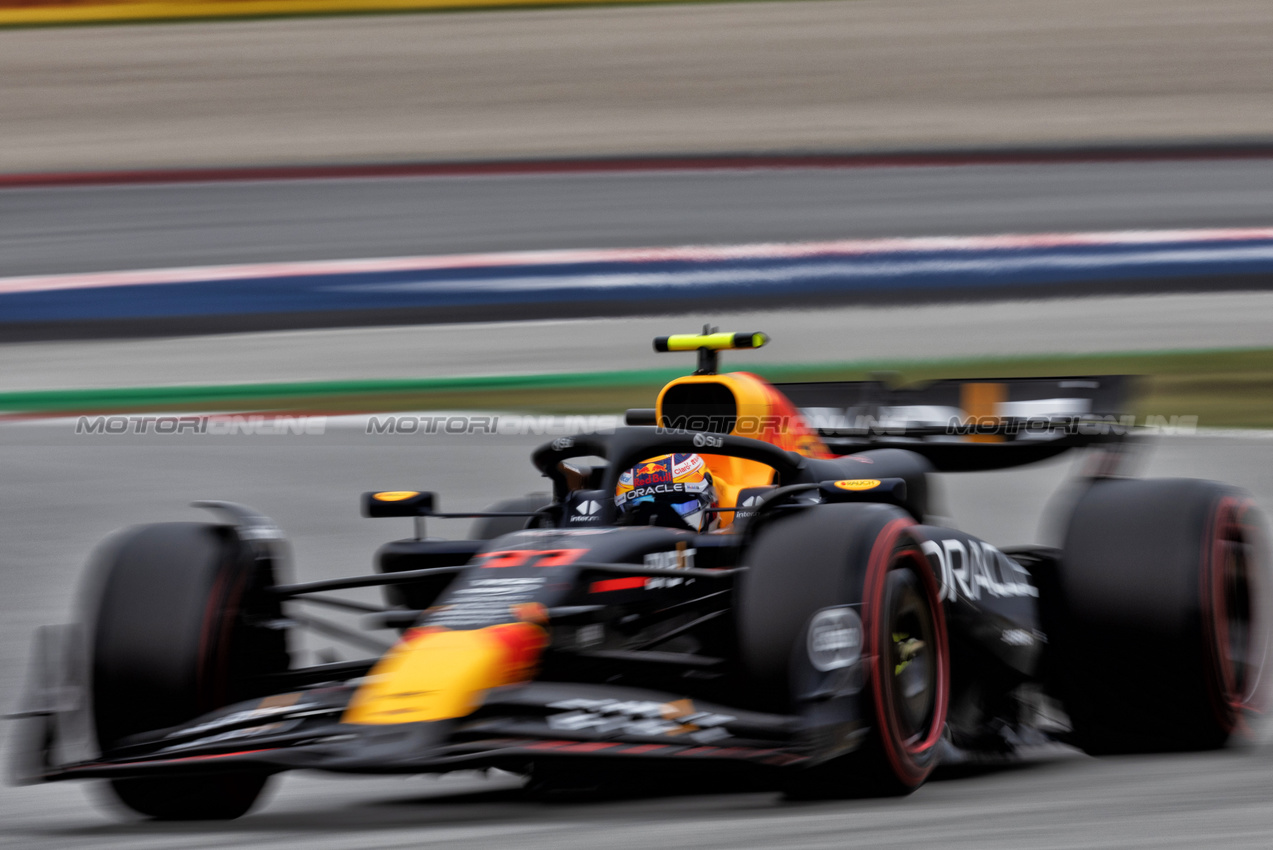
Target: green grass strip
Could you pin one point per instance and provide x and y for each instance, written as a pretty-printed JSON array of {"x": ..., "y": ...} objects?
[
  {"x": 1225, "y": 388},
  {"x": 272, "y": 393}
]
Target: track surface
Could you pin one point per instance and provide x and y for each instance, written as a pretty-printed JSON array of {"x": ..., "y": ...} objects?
[
  {"x": 62, "y": 494},
  {"x": 791, "y": 76},
  {"x": 46, "y": 231},
  {"x": 827, "y": 335}
]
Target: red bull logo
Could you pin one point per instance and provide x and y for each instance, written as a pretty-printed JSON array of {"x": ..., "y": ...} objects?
[{"x": 652, "y": 472}]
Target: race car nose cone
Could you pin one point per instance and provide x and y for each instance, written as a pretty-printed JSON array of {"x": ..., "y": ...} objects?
[{"x": 438, "y": 674}]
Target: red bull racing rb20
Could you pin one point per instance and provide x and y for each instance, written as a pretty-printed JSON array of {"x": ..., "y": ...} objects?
[{"x": 746, "y": 579}]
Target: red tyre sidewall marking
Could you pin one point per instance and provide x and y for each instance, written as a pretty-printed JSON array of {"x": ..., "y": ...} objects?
[
  {"x": 1226, "y": 524},
  {"x": 902, "y": 756},
  {"x": 214, "y": 643}
]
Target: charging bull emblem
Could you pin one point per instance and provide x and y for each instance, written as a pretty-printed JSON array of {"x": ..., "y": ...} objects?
[{"x": 653, "y": 472}]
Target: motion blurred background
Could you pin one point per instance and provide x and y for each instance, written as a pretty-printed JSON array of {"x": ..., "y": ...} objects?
[{"x": 334, "y": 206}]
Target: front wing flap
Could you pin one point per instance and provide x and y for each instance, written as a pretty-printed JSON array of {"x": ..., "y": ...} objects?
[{"x": 515, "y": 727}]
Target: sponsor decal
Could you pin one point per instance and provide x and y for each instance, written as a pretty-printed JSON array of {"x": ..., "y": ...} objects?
[
  {"x": 747, "y": 507},
  {"x": 702, "y": 441},
  {"x": 535, "y": 533},
  {"x": 395, "y": 495},
  {"x": 652, "y": 472},
  {"x": 588, "y": 508},
  {"x": 685, "y": 464},
  {"x": 528, "y": 557},
  {"x": 279, "y": 713},
  {"x": 260, "y": 531},
  {"x": 638, "y": 583},
  {"x": 654, "y": 490},
  {"x": 500, "y": 587},
  {"x": 858, "y": 484},
  {"x": 680, "y": 559},
  {"x": 968, "y": 569},
  {"x": 1017, "y": 637},
  {"x": 835, "y": 639},
  {"x": 530, "y": 612},
  {"x": 485, "y": 601},
  {"x": 593, "y": 634},
  {"x": 233, "y": 735},
  {"x": 563, "y": 443},
  {"x": 611, "y": 584},
  {"x": 236, "y": 718},
  {"x": 639, "y": 717}
]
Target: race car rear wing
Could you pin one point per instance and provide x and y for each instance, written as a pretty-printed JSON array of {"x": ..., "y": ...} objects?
[
  {"x": 959, "y": 425},
  {"x": 964, "y": 425}
]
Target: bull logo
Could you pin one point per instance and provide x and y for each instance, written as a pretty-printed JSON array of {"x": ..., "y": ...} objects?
[{"x": 653, "y": 472}]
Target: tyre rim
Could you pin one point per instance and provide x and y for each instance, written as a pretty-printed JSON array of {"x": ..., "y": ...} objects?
[
  {"x": 912, "y": 663},
  {"x": 1237, "y": 610},
  {"x": 1232, "y": 613},
  {"x": 910, "y": 698}
]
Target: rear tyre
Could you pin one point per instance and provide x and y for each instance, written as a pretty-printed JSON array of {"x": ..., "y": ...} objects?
[
  {"x": 488, "y": 528},
  {"x": 837, "y": 555},
  {"x": 178, "y": 615},
  {"x": 1159, "y": 633}
]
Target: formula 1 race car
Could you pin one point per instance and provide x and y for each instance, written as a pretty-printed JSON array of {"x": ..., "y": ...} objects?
[{"x": 824, "y": 637}]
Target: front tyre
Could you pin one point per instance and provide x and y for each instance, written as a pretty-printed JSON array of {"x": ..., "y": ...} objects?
[
  {"x": 863, "y": 558},
  {"x": 908, "y": 684},
  {"x": 191, "y": 798},
  {"x": 180, "y": 625}
]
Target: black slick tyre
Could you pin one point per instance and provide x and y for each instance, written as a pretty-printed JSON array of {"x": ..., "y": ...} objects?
[
  {"x": 1159, "y": 634},
  {"x": 842, "y": 555},
  {"x": 177, "y": 615}
]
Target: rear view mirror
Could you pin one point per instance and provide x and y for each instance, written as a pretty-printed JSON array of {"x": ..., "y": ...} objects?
[
  {"x": 383, "y": 503},
  {"x": 892, "y": 490}
]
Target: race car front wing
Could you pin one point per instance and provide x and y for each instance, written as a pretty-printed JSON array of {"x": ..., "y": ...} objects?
[{"x": 515, "y": 727}]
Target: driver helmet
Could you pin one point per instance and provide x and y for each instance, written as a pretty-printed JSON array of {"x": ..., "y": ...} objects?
[{"x": 668, "y": 490}]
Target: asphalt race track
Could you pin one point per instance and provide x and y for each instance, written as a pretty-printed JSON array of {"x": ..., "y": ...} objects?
[
  {"x": 63, "y": 493},
  {"x": 643, "y": 79},
  {"x": 846, "y": 334},
  {"x": 102, "y": 228}
]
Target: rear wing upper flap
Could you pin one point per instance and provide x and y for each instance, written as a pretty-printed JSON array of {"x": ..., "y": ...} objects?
[
  {"x": 1005, "y": 397},
  {"x": 965, "y": 424}
]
